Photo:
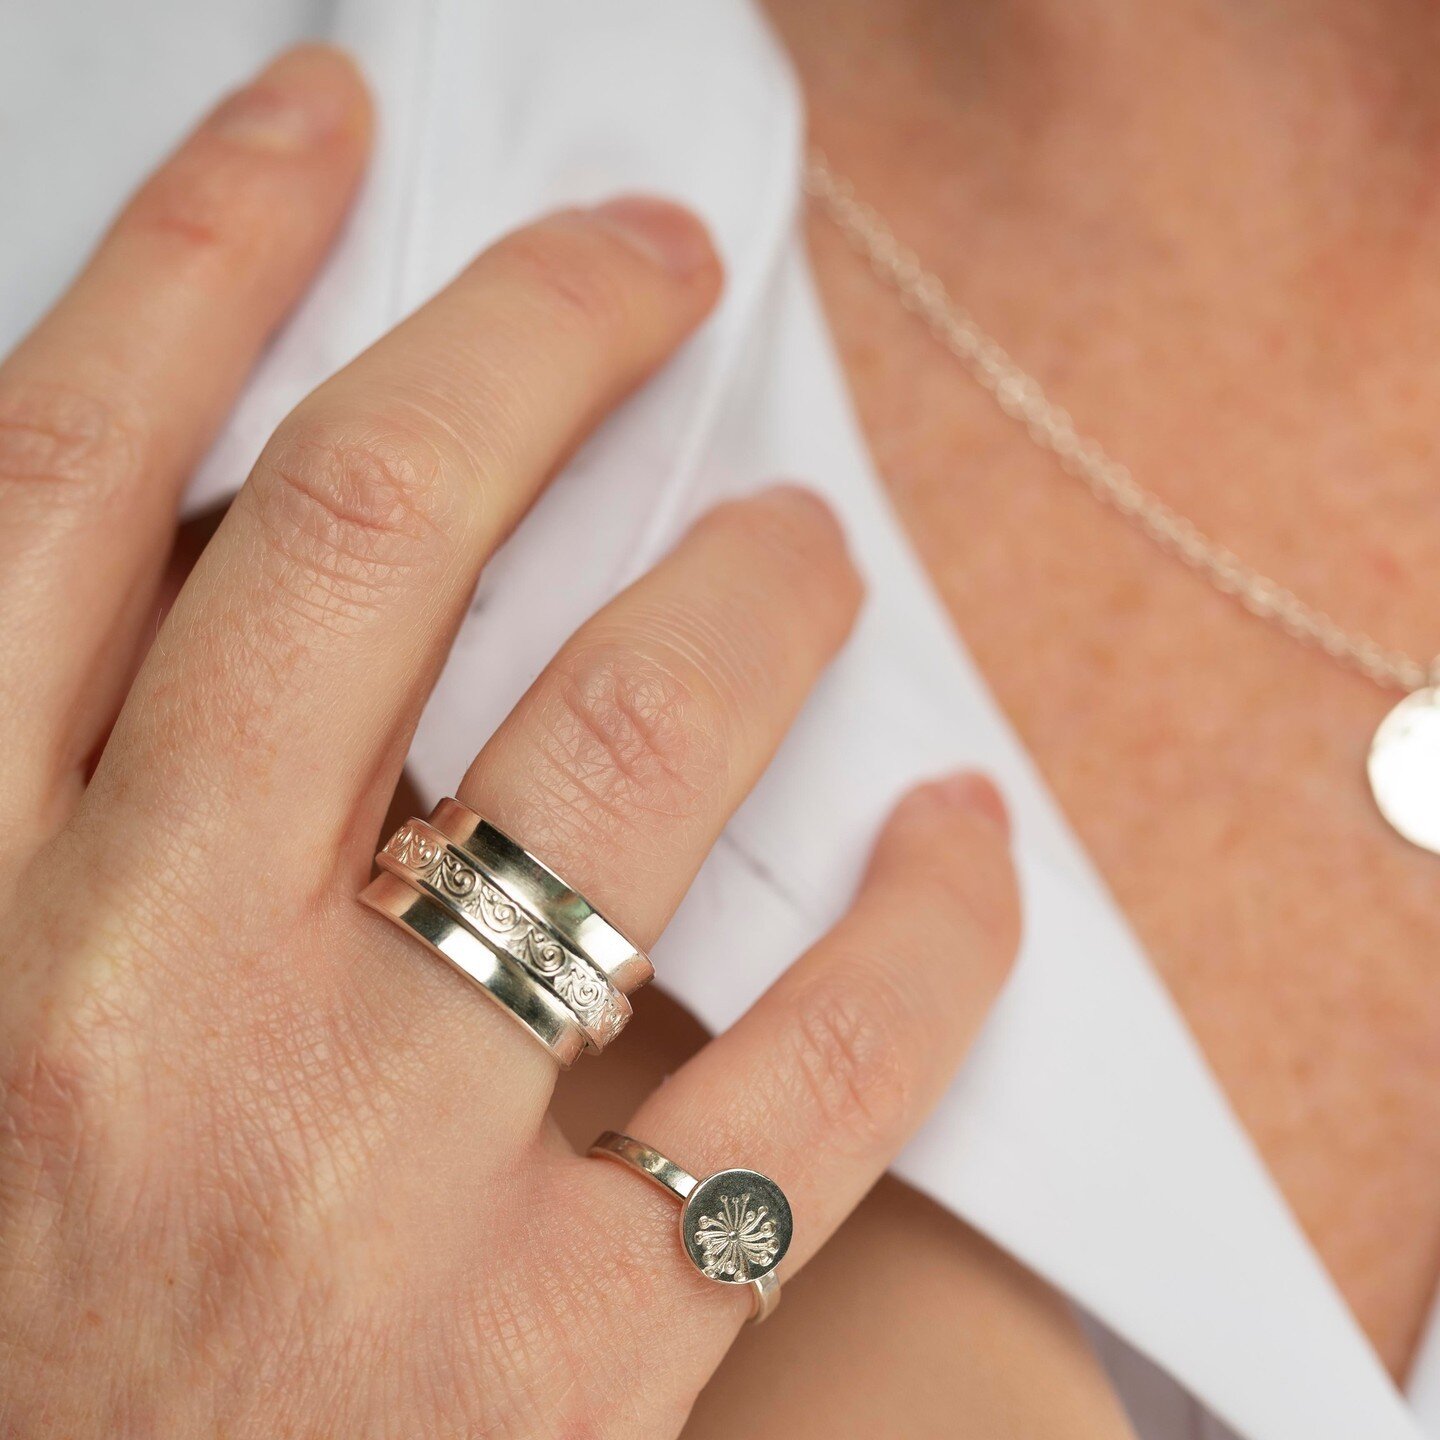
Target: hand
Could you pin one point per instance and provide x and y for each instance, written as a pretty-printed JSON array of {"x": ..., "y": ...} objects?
[{"x": 266, "y": 1166}]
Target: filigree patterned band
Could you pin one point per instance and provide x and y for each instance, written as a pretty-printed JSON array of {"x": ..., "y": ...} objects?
[{"x": 423, "y": 856}]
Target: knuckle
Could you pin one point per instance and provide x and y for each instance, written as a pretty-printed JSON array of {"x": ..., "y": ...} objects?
[
  {"x": 573, "y": 274},
  {"x": 847, "y": 1059},
  {"x": 67, "y": 440},
  {"x": 347, "y": 514},
  {"x": 54, "y": 1090},
  {"x": 630, "y": 736},
  {"x": 38, "y": 1123}
]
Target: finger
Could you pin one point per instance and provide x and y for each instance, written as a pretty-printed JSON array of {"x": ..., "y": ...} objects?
[
  {"x": 301, "y": 649},
  {"x": 821, "y": 1083},
  {"x": 109, "y": 403},
  {"x": 626, "y": 758}
]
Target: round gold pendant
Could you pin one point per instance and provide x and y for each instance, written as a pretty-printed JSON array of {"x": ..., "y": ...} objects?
[{"x": 1404, "y": 768}]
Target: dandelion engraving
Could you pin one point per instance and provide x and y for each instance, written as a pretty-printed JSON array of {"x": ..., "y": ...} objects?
[{"x": 737, "y": 1242}]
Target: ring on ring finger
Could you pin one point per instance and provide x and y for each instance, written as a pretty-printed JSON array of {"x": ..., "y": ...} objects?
[
  {"x": 512, "y": 926},
  {"x": 735, "y": 1225}
]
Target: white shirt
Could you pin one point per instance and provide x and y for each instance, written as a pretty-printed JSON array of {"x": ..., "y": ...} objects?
[{"x": 1086, "y": 1134}]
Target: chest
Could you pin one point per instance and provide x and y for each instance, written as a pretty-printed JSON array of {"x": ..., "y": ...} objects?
[{"x": 1213, "y": 767}]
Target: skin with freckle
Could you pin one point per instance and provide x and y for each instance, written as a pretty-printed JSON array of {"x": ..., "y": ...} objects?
[{"x": 1214, "y": 236}]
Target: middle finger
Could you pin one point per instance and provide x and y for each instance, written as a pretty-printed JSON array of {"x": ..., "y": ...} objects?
[{"x": 299, "y": 653}]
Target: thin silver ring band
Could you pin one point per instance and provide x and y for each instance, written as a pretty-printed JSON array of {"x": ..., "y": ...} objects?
[{"x": 489, "y": 966}]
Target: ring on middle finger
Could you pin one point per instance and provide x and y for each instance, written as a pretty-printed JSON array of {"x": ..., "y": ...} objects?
[{"x": 513, "y": 902}]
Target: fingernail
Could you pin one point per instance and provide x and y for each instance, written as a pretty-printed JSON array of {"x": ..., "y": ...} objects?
[
  {"x": 293, "y": 105},
  {"x": 972, "y": 791},
  {"x": 666, "y": 234}
]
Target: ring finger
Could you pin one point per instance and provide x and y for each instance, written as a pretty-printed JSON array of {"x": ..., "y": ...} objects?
[
  {"x": 822, "y": 1082},
  {"x": 625, "y": 760}
]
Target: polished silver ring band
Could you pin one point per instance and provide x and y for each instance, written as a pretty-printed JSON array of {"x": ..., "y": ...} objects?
[
  {"x": 535, "y": 887},
  {"x": 424, "y": 857},
  {"x": 735, "y": 1225},
  {"x": 501, "y": 976}
]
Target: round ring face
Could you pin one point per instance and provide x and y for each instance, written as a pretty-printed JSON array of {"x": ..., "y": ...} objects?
[{"x": 736, "y": 1226}]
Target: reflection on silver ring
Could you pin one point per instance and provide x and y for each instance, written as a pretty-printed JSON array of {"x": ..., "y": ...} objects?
[
  {"x": 512, "y": 925},
  {"x": 535, "y": 887},
  {"x": 425, "y": 859},
  {"x": 499, "y": 974}
]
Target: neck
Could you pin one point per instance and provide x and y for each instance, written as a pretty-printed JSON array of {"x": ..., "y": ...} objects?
[
  {"x": 1217, "y": 105},
  {"x": 1210, "y": 228}
]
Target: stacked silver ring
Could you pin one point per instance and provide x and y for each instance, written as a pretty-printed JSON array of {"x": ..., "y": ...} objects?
[{"x": 511, "y": 925}]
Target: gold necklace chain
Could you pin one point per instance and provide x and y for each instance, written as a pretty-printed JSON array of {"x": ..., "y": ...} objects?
[{"x": 1050, "y": 426}]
